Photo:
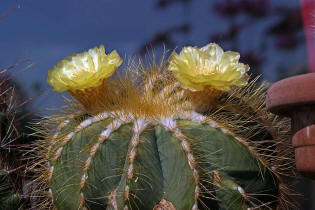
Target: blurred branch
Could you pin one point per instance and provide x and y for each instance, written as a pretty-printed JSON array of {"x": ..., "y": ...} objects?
[
  {"x": 290, "y": 22},
  {"x": 230, "y": 8},
  {"x": 7, "y": 12},
  {"x": 165, "y": 37}
]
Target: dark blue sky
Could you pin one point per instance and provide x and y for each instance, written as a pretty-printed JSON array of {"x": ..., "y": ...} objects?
[{"x": 46, "y": 31}]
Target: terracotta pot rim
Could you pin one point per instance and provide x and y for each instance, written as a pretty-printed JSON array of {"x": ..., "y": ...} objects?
[
  {"x": 304, "y": 137},
  {"x": 291, "y": 92},
  {"x": 295, "y": 97}
]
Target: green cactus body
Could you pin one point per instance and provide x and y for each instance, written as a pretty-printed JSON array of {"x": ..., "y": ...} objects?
[
  {"x": 148, "y": 147},
  {"x": 118, "y": 161}
]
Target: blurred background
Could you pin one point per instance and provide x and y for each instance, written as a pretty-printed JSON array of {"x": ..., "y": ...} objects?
[{"x": 36, "y": 34}]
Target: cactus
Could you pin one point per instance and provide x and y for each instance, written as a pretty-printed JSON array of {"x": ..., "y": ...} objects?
[
  {"x": 145, "y": 140},
  {"x": 12, "y": 142},
  {"x": 10, "y": 198}
]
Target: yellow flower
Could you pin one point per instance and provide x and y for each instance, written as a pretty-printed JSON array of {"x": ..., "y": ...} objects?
[
  {"x": 83, "y": 70},
  {"x": 209, "y": 66}
]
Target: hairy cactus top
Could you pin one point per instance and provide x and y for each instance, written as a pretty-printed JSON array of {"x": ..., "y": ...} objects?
[{"x": 149, "y": 139}]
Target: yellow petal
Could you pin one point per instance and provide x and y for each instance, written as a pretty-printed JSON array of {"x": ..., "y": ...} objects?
[
  {"x": 83, "y": 70},
  {"x": 196, "y": 68}
]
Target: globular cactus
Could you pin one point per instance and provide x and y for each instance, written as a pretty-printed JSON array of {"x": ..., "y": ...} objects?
[{"x": 190, "y": 134}]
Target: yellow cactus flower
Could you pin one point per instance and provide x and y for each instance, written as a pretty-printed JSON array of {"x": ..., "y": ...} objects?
[
  {"x": 209, "y": 66},
  {"x": 83, "y": 70}
]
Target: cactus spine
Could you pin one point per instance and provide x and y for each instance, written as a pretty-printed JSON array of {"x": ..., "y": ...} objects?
[
  {"x": 12, "y": 164},
  {"x": 147, "y": 146}
]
